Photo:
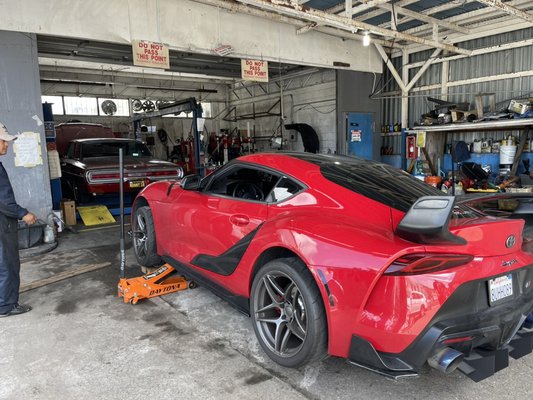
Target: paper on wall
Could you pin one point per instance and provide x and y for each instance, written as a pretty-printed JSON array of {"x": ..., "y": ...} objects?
[{"x": 27, "y": 149}]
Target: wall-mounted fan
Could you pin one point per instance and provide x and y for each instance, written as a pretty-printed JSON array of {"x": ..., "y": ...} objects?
[
  {"x": 136, "y": 105},
  {"x": 148, "y": 105},
  {"x": 109, "y": 107}
]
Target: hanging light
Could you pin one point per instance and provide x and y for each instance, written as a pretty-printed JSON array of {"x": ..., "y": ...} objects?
[{"x": 366, "y": 39}]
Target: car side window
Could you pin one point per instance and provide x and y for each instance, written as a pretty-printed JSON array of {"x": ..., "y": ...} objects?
[
  {"x": 73, "y": 151},
  {"x": 243, "y": 183},
  {"x": 284, "y": 189},
  {"x": 70, "y": 150}
]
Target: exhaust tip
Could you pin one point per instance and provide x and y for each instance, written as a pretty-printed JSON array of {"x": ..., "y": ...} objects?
[{"x": 446, "y": 360}]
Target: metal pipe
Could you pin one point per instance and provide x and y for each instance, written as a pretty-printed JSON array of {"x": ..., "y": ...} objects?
[
  {"x": 121, "y": 194},
  {"x": 446, "y": 360}
]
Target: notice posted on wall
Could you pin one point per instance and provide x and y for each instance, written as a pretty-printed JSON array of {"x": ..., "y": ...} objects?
[
  {"x": 27, "y": 149},
  {"x": 356, "y": 135},
  {"x": 150, "y": 54},
  {"x": 254, "y": 70}
]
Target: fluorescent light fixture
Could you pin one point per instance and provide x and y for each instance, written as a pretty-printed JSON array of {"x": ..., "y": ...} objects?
[{"x": 366, "y": 39}]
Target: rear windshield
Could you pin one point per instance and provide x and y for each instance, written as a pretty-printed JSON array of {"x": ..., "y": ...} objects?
[
  {"x": 381, "y": 182},
  {"x": 109, "y": 149}
]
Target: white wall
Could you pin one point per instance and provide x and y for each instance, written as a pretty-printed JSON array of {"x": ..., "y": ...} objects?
[{"x": 306, "y": 99}]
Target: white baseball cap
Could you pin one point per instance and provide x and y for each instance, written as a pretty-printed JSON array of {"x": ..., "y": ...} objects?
[{"x": 4, "y": 134}]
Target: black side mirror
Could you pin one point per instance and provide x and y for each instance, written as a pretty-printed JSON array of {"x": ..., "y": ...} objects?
[{"x": 190, "y": 182}]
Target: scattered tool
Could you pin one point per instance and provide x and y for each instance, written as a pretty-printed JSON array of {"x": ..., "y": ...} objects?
[{"x": 162, "y": 281}]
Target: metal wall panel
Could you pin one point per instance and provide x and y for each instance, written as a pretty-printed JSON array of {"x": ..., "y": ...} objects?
[{"x": 501, "y": 62}]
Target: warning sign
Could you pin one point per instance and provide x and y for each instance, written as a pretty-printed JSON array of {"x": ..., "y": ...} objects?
[
  {"x": 254, "y": 70},
  {"x": 150, "y": 54},
  {"x": 356, "y": 135}
]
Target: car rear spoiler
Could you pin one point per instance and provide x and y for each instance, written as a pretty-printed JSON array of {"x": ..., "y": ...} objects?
[{"x": 427, "y": 220}]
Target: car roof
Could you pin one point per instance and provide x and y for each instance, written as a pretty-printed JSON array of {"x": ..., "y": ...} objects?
[{"x": 278, "y": 159}]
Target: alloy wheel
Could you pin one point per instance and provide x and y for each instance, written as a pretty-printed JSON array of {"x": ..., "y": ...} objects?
[
  {"x": 280, "y": 314},
  {"x": 139, "y": 236}
]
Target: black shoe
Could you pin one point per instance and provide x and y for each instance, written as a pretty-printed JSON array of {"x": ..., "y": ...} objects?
[{"x": 17, "y": 309}]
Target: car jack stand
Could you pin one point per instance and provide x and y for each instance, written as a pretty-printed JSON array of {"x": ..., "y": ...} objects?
[{"x": 152, "y": 285}]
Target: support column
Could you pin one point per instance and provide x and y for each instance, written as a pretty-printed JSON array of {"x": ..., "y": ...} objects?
[{"x": 21, "y": 111}]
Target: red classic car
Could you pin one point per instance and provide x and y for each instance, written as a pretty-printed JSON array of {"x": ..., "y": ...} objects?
[
  {"x": 347, "y": 257},
  {"x": 90, "y": 168}
]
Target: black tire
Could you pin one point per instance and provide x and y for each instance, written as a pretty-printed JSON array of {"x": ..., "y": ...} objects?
[
  {"x": 144, "y": 241},
  {"x": 288, "y": 315}
]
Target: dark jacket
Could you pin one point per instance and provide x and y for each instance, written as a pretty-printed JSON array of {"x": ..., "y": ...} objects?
[{"x": 10, "y": 211}]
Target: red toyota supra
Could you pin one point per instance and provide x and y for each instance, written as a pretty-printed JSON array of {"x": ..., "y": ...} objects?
[{"x": 347, "y": 257}]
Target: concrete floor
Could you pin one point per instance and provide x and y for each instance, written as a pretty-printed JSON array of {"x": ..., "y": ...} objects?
[{"x": 80, "y": 341}]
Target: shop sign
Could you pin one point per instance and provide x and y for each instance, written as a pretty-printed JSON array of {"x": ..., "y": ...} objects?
[
  {"x": 150, "y": 54},
  {"x": 254, "y": 70}
]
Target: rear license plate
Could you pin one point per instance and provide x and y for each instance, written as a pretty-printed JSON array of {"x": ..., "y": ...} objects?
[
  {"x": 500, "y": 288},
  {"x": 136, "y": 184}
]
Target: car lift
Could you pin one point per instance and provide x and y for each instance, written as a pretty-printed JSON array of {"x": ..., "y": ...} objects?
[{"x": 162, "y": 281}]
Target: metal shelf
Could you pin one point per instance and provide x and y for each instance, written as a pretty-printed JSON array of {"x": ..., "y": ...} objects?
[
  {"x": 475, "y": 126},
  {"x": 391, "y": 134}
]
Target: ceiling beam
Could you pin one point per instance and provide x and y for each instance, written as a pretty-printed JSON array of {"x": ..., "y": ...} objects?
[
  {"x": 348, "y": 8},
  {"x": 379, "y": 11},
  {"x": 391, "y": 68},
  {"x": 424, "y": 18},
  {"x": 508, "y": 9},
  {"x": 367, "y": 5},
  {"x": 429, "y": 11},
  {"x": 343, "y": 23},
  {"x": 476, "y": 33},
  {"x": 477, "y": 52}
]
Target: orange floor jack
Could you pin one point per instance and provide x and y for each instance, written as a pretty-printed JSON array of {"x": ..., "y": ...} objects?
[{"x": 162, "y": 281}]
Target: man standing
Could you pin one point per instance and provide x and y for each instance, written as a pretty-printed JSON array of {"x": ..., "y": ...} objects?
[{"x": 10, "y": 212}]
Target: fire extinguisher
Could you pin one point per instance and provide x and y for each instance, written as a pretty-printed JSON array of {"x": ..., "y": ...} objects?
[{"x": 410, "y": 147}]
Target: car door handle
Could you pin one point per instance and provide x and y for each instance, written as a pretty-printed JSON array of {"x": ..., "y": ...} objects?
[{"x": 239, "y": 220}]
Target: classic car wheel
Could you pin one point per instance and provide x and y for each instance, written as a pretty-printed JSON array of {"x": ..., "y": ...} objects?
[
  {"x": 288, "y": 314},
  {"x": 144, "y": 243}
]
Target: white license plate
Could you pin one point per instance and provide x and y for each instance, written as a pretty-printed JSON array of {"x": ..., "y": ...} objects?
[
  {"x": 136, "y": 184},
  {"x": 500, "y": 288}
]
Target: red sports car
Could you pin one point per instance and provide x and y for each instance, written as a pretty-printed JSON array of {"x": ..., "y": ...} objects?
[{"x": 347, "y": 257}]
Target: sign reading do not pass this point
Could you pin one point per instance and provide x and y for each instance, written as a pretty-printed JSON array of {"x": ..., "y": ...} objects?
[
  {"x": 254, "y": 70},
  {"x": 150, "y": 54}
]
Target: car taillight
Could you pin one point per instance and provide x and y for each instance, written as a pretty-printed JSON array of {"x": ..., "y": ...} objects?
[
  {"x": 164, "y": 173},
  {"x": 103, "y": 177},
  {"x": 413, "y": 264}
]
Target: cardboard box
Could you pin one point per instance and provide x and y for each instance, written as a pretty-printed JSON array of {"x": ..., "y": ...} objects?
[{"x": 68, "y": 207}]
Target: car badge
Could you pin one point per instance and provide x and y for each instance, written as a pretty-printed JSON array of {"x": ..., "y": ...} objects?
[
  {"x": 511, "y": 240},
  {"x": 509, "y": 263}
]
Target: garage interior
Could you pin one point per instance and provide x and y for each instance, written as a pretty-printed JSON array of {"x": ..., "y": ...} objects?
[{"x": 399, "y": 81}]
